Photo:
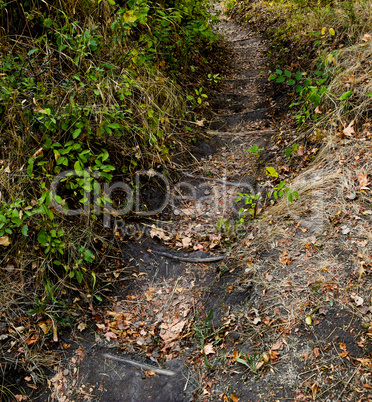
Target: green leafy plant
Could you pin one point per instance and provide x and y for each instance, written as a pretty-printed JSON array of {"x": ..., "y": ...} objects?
[
  {"x": 250, "y": 205},
  {"x": 280, "y": 189},
  {"x": 294, "y": 148},
  {"x": 255, "y": 150},
  {"x": 214, "y": 78},
  {"x": 204, "y": 332},
  {"x": 254, "y": 362},
  {"x": 198, "y": 98}
]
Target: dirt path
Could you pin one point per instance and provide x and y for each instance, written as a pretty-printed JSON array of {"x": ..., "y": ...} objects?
[{"x": 182, "y": 327}]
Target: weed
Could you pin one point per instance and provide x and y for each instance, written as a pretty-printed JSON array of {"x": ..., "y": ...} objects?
[
  {"x": 255, "y": 150},
  {"x": 253, "y": 362},
  {"x": 204, "y": 332}
]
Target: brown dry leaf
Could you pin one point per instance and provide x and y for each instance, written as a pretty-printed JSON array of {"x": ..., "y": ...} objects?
[
  {"x": 34, "y": 338},
  {"x": 349, "y": 130},
  {"x": 234, "y": 398},
  {"x": 186, "y": 242},
  {"x": 82, "y": 326},
  {"x": 236, "y": 354},
  {"x": 101, "y": 326},
  {"x": 315, "y": 389},
  {"x": 198, "y": 247},
  {"x": 366, "y": 37},
  {"x": 274, "y": 356},
  {"x": 316, "y": 352},
  {"x": 199, "y": 123},
  {"x": 365, "y": 361},
  {"x": 363, "y": 181},
  {"x": 343, "y": 346},
  {"x": 173, "y": 332},
  {"x": 110, "y": 335},
  {"x": 159, "y": 233},
  {"x": 277, "y": 346},
  {"x": 300, "y": 151},
  {"x": 44, "y": 327},
  {"x": 209, "y": 349},
  {"x": 5, "y": 241},
  {"x": 150, "y": 373},
  {"x": 285, "y": 259},
  {"x": 20, "y": 398}
]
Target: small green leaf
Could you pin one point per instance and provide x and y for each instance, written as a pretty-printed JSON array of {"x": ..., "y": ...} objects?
[
  {"x": 288, "y": 152},
  {"x": 299, "y": 88},
  {"x": 24, "y": 230},
  {"x": 32, "y": 51},
  {"x": 287, "y": 73},
  {"x": 76, "y": 133},
  {"x": 241, "y": 361},
  {"x": 280, "y": 80},
  {"x": 79, "y": 276},
  {"x": 345, "y": 95},
  {"x": 279, "y": 72},
  {"x": 298, "y": 76},
  {"x": 291, "y": 82}
]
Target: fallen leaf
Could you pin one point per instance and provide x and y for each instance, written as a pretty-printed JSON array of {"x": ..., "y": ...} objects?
[
  {"x": 199, "y": 123},
  {"x": 186, "y": 242},
  {"x": 308, "y": 320},
  {"x": 236, "y": 354},
  {"x": 44, "y": 327},
  {"x": 314, "y": 389},
  {"x": 5, "y": 241},
  {"x": 110, "y": 335},
  {"x": 159, "y": 233},
  {"x": 173, "y": 332},
  {"x": 82, "y": 326},
  {"x": 366, "y": 37},
  {"x": 209, "y": 349},
  {"x": 198, "y": 247},
  {"x": 269, "y": 278},
  {"x": 300, "y": 150},
  {"x": 277, "y": 346},
  {"x": 274, "y": 356},
  {"x": 285, "y": 259},
  {"x": 316, "y": 352},
  {"x": 20, "y": 398},
  {"x": 363, "y": 181},
  {"x": 234, "y": 398},
  {"x": 349, "y": 130},
  {"x": 358, "y": 300}
]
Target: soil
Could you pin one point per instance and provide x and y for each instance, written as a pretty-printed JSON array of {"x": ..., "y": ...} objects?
[{"x": 230, "y": 330}]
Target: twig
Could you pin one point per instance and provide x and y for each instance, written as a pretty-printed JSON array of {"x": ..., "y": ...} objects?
[
  {"x": 242, "y": 133},
  {"x": 190, "y": 259},
  {"x": 352, "y": 376},
  {"x": 140, "y": 365},
  {"x": 229, "y": 183}
]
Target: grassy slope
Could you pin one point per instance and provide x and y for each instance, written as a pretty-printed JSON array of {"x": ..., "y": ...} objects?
[{"x": 317, "y": 251}]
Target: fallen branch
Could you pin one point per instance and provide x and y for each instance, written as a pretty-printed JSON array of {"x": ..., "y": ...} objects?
[
  {"x": 190, "y": 259},
  {"x": 144, "y": 366}
]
